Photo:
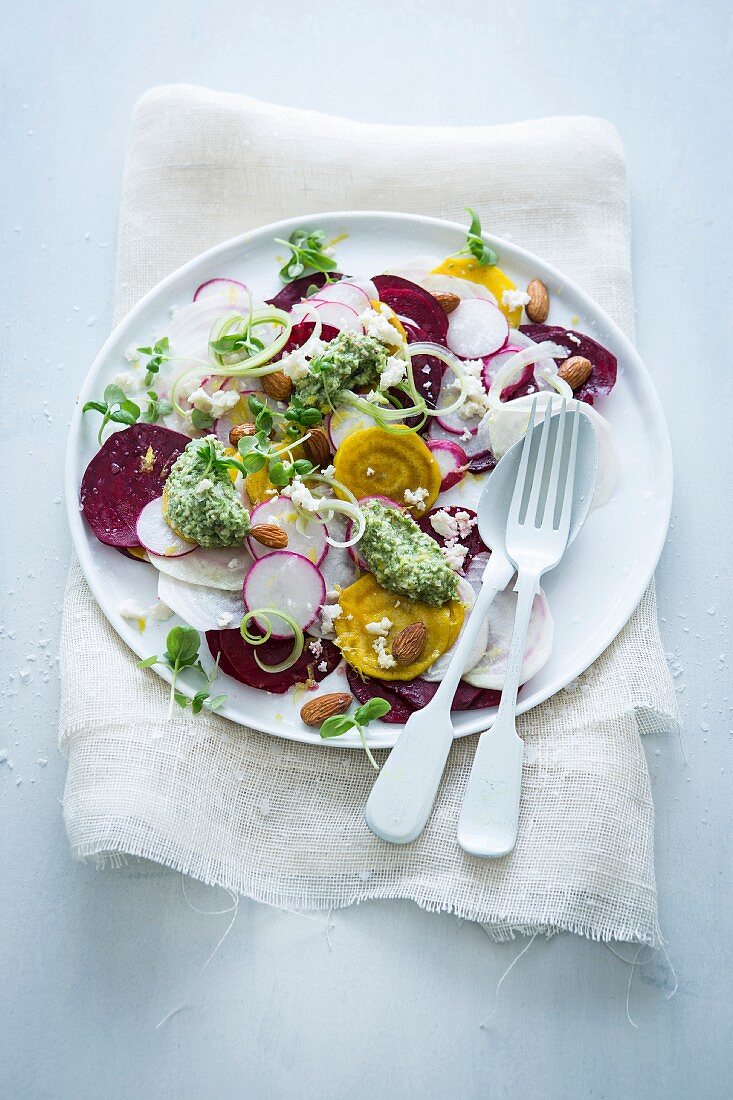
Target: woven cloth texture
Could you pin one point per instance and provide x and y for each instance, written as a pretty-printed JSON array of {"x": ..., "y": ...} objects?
[{"x": 282, "y": 822}]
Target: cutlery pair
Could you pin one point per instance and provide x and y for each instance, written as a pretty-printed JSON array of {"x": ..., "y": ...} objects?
[{"x": 531, "y": 509}]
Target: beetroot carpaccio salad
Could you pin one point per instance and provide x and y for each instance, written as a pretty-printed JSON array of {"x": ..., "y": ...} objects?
[{"x": 302, "y": 472}]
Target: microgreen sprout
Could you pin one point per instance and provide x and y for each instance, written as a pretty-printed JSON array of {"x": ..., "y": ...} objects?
[
  {"x": 158, "y": 356},
  {"x": 115, "y": 407},
  {"x": 362, "y": 716},
  {"x": 157, "y": 407},
  {"x": 182, "y": 651},
  {"x": 309, "y": 253},
  {"x": 475, "y": 245}
]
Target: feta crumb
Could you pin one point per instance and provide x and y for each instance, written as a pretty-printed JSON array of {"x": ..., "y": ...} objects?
[
  {"x": 224, "y": 620},
  {"x": 316, "y": 647},
  {"x": 514, "y": 299},
  {"x": 444, "y": 524},
  {"x": 416, "y": 497},
  {"x": 132, "y": 610},
  {"x": 369, "y": 471},
  {"x": 132, "y": 356},
  {"x": 301, "y": 495},
  {"x": 393, "y": 373},
  {"x": 384, "y": 659},
  {"x": 466, "y": 437},
  {"x": 454, "y": 554},
  {"x": 295, "y": 365},
  {"x": 329, "y": 471},
  {"x": 203, "y": 486},
  {"x": 213, "y": 404},
  {"x": 125, "y": 381},
  {"x": 381, "y": 626},
  {"x": 376, "y": 324},
  {"x": 477, "y": 399},
  {"x": 322, "y": 667},
  {"x": 575, "y": 339},
  {"x": 235, "y": 563},
  {"x": 160, "y": 612},
  {"x": 330, "y": 613},
  {"x": 200, "y": 400}
]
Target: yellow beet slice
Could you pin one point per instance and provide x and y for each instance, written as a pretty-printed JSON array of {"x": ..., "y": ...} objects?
[
  {"x": 257, "y": 485},
  {"x": 493, "y": 278},
  {"x": 372, "y": 462},
  {"x": 365, "y": 601}
]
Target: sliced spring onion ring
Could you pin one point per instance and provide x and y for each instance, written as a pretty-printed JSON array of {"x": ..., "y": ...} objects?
[
  {"x": 524, "y": 358},
  {"x": 262, "y": 615},
  {"x": 450, "y": 360}
]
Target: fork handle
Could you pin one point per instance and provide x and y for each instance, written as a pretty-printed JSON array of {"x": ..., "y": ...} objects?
[{"x": 489, "y": 819}]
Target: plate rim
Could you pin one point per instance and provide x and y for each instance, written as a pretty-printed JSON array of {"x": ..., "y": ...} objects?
[{"x": 387, "y": 735}]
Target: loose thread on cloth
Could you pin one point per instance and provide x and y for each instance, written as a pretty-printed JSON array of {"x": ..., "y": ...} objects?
[{"x": 508, "y": 970}]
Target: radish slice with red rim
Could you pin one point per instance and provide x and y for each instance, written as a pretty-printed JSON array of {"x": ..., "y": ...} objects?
[
  {"x": 156, "y": 536},
  {"x": 357, "y": 295},
  {"x": 338, "y": 315},
  {"x": 476, "y": 328},
  {"x": 234, "y": 293},
  {"x": 201, "y": 607},
  {"x": 289, "y": 582},
  {"x": 452, "y": 460},
  {"x": 281, "y": 512}
]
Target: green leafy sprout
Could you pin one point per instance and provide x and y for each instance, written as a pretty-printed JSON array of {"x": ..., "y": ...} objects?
[
  {"x": 157, "y": 407},
  {"x": 359, "y": 720},
  {"x": 158, "y": 354},
  {"x": 182, "y": 651},
  {"x": 308, "y": 253},
  {"x": 475, "y": 245},
  {"x": 115, "y": 407}
]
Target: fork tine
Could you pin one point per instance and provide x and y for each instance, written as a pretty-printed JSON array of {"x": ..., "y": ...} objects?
[
  {"x": 539, "y": 470},
  {"x": 548, "y": 517},
  {"x": 521, "y": 481},
  {"x": 567, "y": 503}
]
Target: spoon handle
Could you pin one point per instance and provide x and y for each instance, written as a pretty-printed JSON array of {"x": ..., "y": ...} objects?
[{"x": 404, "y": 792}]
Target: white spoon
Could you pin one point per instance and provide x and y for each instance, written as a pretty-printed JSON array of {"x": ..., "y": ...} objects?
[{"x": 404, "y": 792}]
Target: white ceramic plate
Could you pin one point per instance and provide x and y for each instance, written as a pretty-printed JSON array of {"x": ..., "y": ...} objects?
[{"x": 602, "y": 578}]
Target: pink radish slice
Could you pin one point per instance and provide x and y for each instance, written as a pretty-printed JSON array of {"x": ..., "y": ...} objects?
[
  {"x": 350, "y": 293},
  {"x": 494, "y": 363},
  {"x": 283, "y": 513},
  {"x": 489, "y": 671},
  {"x": 387, "y": 502},
  {"x": 201, "y": 607},
  {"x": 452, "y": 459},
  {"x": 338, "y": 315},
  {"x": 476, "y": 328},
  {"x": 289, "y": 583},
  {"x": 344, "y": 422},
  {"x": 154, "y": 534},
  {"x": 228, "y": 289},
  {"x": 190, "y": 326},
  {"x": 216, "y": 568}
]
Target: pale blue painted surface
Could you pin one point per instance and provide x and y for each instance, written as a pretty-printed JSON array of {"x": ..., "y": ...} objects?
[{"x": 90, "y": 961}]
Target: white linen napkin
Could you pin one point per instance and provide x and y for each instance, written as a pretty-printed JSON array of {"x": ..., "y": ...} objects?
[{"x": 282, "y": 822}]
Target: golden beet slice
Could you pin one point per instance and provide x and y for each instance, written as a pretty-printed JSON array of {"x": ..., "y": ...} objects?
[{"x": 373, "y": 462}]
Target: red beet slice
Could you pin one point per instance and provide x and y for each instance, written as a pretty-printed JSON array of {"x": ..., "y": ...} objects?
[
  {"x": 365, "y": 689},
  {"x": 410, "y": 300},
  {"x": 127, "y": 472},
  {"x": 300, "y": 334},
  {"x": 603, "y": 376},
  {"x": 474, "y": 543},
  {"x": 486, "y": 697},
  {"x": 407, "y": 696},
  {"x": 482, "y": 462},
  {"x": 238, "y": 661},
  {"x": 294, "y": 292},
  {"x": 213, "y": 640}
]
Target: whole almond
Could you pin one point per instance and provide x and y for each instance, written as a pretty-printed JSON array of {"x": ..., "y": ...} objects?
[
  {"x": 575, "y": 371},
  {"x": 317, "y": 710},
  {"x": 448, "y": 301},
  {"x": 316, "y": 447},
  {"x": 239, "y": 431},
  {"x": 538, "y": 306},
  {"x": 277, "y": 386},
  {"x": 270, "y": 535},
  {"x": 409, "y": 643}
]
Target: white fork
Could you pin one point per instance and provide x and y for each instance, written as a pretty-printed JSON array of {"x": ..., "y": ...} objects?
[{"x": 536, "y": 537}]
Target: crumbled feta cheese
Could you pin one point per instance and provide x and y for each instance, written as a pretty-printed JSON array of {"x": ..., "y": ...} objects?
[
  {"x": 200, "y": 400},
  {"x": 454, "y": 554},
  {"x": 316, "y": 647},
  {"x": 235, "y": 563},
  {"x": 322, "y": 667},
  {"x": 376, "y": 324},
  {"x": 133, "y": 610},
  {"x": 466, "y": 437},
  {"x": 295, "y": 365},
  {"x": 384, "y": 659},
  {"x": 329, "y": 471},
  {"x": 376, "y": 397},
  {"x": 132, "y": 355},
  {"x": 224, "y": 620},
  {"x": 572, "y": 337},
  {"x": 466, "y": 523},
  {"x": 213, "y": 404},
  {"x": 329, "y": 614},
  {"x": 301, "y": 495},
  {"x": 393, "y": 373},
  {"x": 381, "y": 627},
  {"x": 203, "y": 486},
  {"x": 369, "y": 471},
  {"x": 125, "y": 381},
  {"x": 514, "y": 299},
  {"x": 416, "y": 497},
  {"x": 444, "y": 524},
  {"x": 477, "y": 399},
  {"x": 160, "y": 612}
]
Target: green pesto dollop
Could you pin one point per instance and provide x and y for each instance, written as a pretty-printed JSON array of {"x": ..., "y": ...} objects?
[
  {"x": 403, "y": 558},
  {"x": 202, "y": 504},
  {"x": 350, "y": 360}
]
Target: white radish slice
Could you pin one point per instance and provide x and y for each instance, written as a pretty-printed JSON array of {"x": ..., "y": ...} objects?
[
  {"x": 338, "y": 567},
  {"x": 218, "y": 568},
  {"x": 344, "y": 422},
  {"x": 289, "y": 583},
  {"x": 231, "y": 291},
  {"x": 201, "y": 607},
  {"x": 452, "y": 460},
  {"x": 190, "y": 326},
  {"x": 490, "y": 669},
  {"x": 476, "y": 328},
  {"x": 155, "y": 536},
  {"x": 337, "y": 314},
  {"x": 281, "y": 511},
  {"x": 494, "y": 363},
  {"x": 357, "y": 294},
  {"x": 439, "y": 668}
]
